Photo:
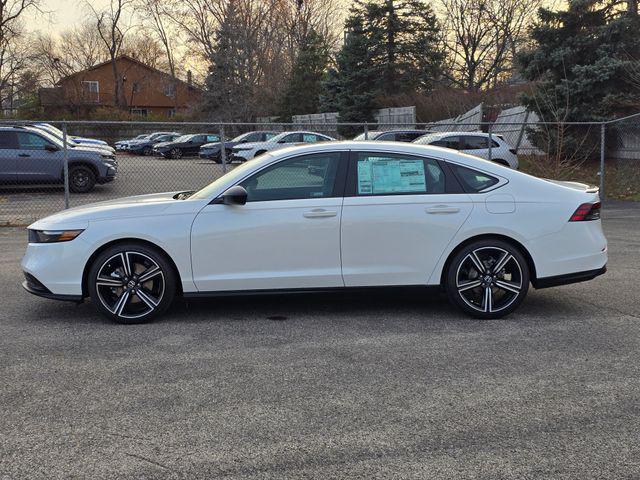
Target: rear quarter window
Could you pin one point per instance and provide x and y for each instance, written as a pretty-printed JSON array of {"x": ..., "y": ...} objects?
[{"x": 473, "y": 181}]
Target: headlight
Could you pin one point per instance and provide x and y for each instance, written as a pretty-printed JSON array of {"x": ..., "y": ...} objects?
[
  {"x": 106, "y": 156},
  {"x": 52, "y": 236},
  {"x": 241, "y": 149}
]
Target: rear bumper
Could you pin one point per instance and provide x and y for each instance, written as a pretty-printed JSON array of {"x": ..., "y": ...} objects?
[{"x": 568, "y": 278}]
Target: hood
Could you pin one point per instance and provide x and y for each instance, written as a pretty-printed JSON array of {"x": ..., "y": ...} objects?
[
  {"x": 79, "y": 217},
  {"x": 79, "y": 149},
  {"x": 89, "y": 140}
]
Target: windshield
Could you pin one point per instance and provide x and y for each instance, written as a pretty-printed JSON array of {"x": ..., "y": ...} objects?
[
  {"x": 183, "y": 138},
  {"x": 50, "y": 128},
  {"x": 234, "y": 175}
]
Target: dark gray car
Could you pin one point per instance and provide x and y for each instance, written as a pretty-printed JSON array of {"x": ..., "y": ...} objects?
[{"x": 31, "y": 155}]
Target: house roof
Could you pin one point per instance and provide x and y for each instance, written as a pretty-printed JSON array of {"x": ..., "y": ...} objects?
[{"x": 131, "y": 59}]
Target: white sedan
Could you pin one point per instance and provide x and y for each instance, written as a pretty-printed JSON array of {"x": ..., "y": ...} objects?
[
  {"x": 329, "y": 216},
  {"x": 247, "y": 151}
]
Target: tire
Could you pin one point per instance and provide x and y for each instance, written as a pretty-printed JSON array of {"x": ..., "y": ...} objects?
[
  {"x": 82, "y": 179},
  {"x": 117, "y": 285},
  {"x": 147, "y": 151},
  {"x": 176, "y": 153},
  {"x": 258, "y": 153},
  {"x": 487, "y": 279}
]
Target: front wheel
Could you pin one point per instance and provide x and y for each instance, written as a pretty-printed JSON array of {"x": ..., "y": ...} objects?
[
  {"x": 131, "y": 283},
  {"x": 176, "y": 153},
  {"x": 147, "y": 152},
  {"x": 488, "y": 279},
  {"x": 82, "y": 179}
]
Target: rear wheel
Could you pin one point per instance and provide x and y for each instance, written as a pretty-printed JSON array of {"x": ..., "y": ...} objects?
[
  {"x": 82, "y": 179},
  {"x": 488, "y": 279},
  {"x": 147, "y": 152},
  {"x": 131, "y": 283}
]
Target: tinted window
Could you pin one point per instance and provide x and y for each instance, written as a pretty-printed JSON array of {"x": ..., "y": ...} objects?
[
  {"x": 389, "y": 174},
  {"x": 7, "y": 140},
  {"x": 212, "y": 138},
  {"x": 407, "y": 136},
  {"x": 309, "y": 176},
  {"x": 311, "y": 138},
  {"x": 448, "y": 142},
  {"x": 292, "y": 138},
  {"x": 387, "y": 137},
  {"x": 477, "y": 143},
  {"x": 31, "y": 141},
  {"x": 472, "y": 180}
]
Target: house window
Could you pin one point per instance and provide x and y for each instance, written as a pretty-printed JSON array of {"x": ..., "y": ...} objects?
[
  {"x": 141, "y": 112},
  {"x": 171, "y": 112},
  {"x": 170, "y": 90},
  {"x": 91, "y": 88}
]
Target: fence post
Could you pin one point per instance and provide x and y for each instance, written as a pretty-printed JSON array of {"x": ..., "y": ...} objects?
[
  {"x": 65, "y": 161},
  {"x": 490, "y": 143},
  {"x": 366, "y": 131},
  {"x": 602, "y": 137},
  {"x": 223, "y": 150}
]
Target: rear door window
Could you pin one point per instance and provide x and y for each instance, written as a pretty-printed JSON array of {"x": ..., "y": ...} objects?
[{"x": 396, "y": 174}]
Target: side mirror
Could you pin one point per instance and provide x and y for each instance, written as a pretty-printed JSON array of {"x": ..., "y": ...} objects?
[
  {"x": 235, "y": 195},
  {"x": 51, "y": 148}
]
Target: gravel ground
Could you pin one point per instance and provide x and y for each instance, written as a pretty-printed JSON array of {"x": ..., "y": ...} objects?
[{"x": 398, "y": 385}]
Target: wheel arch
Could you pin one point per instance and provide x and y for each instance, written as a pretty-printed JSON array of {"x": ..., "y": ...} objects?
[
  {"x": 525, "y": 253},
  {"x": 501, "y": 161},
  {"x": 140, "y": 241},
  {"x": 81, "y": 163}
]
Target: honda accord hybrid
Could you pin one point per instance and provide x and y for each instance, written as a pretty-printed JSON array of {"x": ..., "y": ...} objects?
[{"x": 332, "y": 215}]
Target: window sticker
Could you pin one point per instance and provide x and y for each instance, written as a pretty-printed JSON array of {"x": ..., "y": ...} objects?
[{"x": 379, "y": 175}]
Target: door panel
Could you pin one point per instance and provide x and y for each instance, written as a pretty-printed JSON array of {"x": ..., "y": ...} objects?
[
  {"x": 397, "y": 238},
  {"x": 268, "y": 245},
  {"x": 286, "y": 236},
  {"x": 33, "y": 162}
]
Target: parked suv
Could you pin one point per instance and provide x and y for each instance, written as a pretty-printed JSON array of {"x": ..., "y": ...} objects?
[
  {"x": 31, "y": 155},
  {"x": 392, "y": 135},
  {"x": 474, "y": 143}
]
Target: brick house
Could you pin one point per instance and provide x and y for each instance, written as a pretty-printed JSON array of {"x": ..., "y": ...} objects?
[{"x": 146, "y": 90}]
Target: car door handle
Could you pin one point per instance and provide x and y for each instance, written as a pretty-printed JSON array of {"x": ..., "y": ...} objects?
[
  {"x": 320, "y": 213},
  {"x": 24, "y": 155},
  {"x": 442, "y": 209}
]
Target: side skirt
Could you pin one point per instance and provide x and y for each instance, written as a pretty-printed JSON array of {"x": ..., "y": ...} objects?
[{"x": 296, "y": 291}]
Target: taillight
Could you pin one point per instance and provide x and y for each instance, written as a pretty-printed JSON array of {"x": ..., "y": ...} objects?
[{"x": 586, "y": 212}]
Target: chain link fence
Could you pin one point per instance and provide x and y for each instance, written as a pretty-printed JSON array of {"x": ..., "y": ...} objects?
[{"x": 49, "y": 166}]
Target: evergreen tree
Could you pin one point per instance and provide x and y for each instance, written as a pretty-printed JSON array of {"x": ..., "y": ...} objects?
[
  {"x": 581, "y": 61},
  {"x": 404, "y": 38},
  {"x": 302, "y": 95},
  {"x": 356, "y": 78},
  {"x": 391, "y": 47}
]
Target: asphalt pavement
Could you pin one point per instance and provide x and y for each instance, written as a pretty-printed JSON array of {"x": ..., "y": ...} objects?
[{"x": 392, "y": 385}]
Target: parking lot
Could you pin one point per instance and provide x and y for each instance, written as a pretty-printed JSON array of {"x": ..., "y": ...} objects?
[
  {"x": 398, "y": 385},
  {"x": 137, "y": 175}
]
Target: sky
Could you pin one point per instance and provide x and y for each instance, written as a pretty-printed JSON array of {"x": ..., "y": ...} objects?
[{"x": 63, "y": 14}]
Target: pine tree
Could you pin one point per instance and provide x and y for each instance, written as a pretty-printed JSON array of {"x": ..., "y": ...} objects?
[
  {"x": 302, "y": 95},
  {"x": 581, "y": 62},
  {"x": 356, "y": 78},
  {"x": 391, "y": 47}
]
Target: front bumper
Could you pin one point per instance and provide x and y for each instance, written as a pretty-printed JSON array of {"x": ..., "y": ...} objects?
[{"x": 33, "y": 286}]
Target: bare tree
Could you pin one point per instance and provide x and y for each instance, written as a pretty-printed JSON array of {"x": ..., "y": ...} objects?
[
  {"x": 482, "y": 37},
  {"x": 15, "y": 54},
  {"x": 157, "y": 16},
  {"x": 112, "y": 26}
]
